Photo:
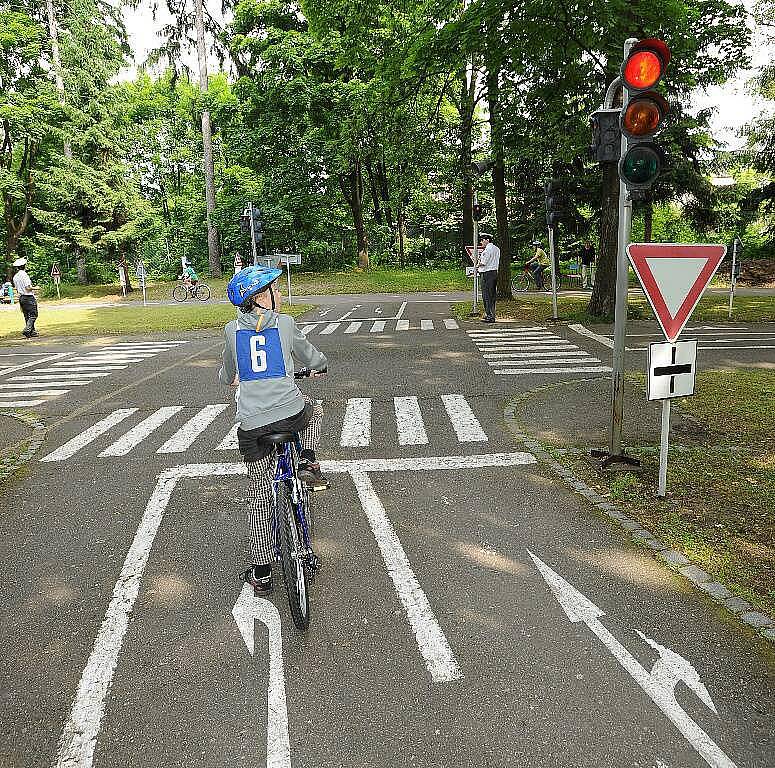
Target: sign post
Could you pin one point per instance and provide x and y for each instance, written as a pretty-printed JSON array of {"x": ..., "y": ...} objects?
[
  {"x": 56, "y": 275},
  {"x": 554, "y": 273},
  {"x": 674, "y": 278},
  {"x": 141, "y": 274},
  {"x": 287, "y": 259},
  {"x": 735, "y": 273},
  {"x": 475, "y": 258}
]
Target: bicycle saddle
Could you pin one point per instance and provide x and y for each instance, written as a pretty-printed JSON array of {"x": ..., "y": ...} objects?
[{"x": 278, "y": 437}]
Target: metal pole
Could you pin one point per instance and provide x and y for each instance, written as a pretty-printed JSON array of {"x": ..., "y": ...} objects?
[
  {"x": 253, "y": 234},
  {"x": 288, "y": 267},
  {"x": 554, "y": 274},
  {"x": 733, "y": 279},
  {"x": 620, "y": 311},
  {"x": 143, "y": 282},
  {"x": 475, "y": 259},
  {"x": 663, "y": 447}
]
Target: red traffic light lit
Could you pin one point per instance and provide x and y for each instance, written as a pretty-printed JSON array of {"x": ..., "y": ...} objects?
[
  {"x": 644, "y": 114},
  {"x": 645, "y": 64}
]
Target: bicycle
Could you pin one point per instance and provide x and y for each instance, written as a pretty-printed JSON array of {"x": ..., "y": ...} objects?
[
  {"x": 182, "y": 291},
  {"x": 524, "y": 281},
  {"x": 291, "y": 521}
]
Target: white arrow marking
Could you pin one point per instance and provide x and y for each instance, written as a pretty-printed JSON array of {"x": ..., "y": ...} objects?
[
  {"x": 660, "y": 683},
  {"x": 246, "y": 610}
]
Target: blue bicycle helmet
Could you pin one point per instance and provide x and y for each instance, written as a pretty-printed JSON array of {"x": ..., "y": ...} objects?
[{"x": 248, "y": 283}]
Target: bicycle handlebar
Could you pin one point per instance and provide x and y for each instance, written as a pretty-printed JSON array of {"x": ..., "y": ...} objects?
[{"x": 308, "y": 373}]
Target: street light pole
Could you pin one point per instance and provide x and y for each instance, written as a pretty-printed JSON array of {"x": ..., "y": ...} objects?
[{"x": 474, "y": 310}]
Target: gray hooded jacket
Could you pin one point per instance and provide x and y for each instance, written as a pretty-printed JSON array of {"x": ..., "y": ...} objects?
[{"x": 262, "y": 348}]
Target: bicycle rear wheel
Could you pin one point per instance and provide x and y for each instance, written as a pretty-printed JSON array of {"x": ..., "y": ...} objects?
[
  {"x": 293, "y": 555},
  {"x": 180, "y": 292},
  {"x": 202, "y": 292}
]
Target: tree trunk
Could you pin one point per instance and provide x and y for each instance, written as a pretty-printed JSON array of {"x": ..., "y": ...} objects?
[
  {"x": 207, "y": 145},
  {"x": 603, "y": 299},
  {"x": 374, "y": 194},
  {"x": 467, "y": 95},
  {"x": 499, "y": 183},
  {"x": 401, "y": 236},
  {"x": 352, "y": 189},
  {"x": 54, "y": 32},
  {"x": 648, "y": 221}
]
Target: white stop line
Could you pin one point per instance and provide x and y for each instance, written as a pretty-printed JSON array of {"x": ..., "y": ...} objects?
[{"x": 79, "y": 735}]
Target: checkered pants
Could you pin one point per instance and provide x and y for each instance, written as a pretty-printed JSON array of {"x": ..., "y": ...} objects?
[{"x": 260, "y": 474}]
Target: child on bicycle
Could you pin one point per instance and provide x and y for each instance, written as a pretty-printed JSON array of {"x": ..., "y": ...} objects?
[
  {"x": 261, "y": 349},
  {"x": 189, "y": 276}
]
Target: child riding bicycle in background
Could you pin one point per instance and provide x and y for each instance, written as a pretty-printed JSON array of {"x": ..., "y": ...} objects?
[
  {"x": 189, "y": 276},
  {"x": 261, "y": 350}
]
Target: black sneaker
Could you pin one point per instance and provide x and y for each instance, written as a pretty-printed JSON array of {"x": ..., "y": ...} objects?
[
  {"x": 262, "y": 585},
  {"x": 310, "y": 473}
]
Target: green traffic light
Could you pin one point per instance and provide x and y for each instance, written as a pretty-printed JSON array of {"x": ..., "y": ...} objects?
[{"x": 640, "y": 165}]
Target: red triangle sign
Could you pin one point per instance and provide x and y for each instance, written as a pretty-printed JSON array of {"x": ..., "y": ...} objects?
[{"x": 674, "y": 277}]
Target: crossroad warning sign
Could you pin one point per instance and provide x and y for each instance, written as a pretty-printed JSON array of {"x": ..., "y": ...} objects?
[{"x": 671, "y": 370}]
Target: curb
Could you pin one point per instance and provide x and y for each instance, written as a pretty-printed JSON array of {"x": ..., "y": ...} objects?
[
  {"x": 741, "y": 609},
  {"x": 9, "y": 466}
]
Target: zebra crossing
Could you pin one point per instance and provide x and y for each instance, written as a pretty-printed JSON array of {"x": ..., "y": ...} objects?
[
  {"x": 360, "y": 421},
  {"x": 58, "y": 374},
  {"x": 533, "y": 351},
  {"x": 377, "y": 326}
]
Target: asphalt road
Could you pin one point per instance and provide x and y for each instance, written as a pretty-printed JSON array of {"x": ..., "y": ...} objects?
[{"x": 448, "y": 627}]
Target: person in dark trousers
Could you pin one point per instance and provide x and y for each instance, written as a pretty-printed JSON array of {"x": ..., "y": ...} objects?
[
  {"x": 27, "y": 300},
  {"x": 488, "y": 261},
  {"x": 587, "y": 265}
]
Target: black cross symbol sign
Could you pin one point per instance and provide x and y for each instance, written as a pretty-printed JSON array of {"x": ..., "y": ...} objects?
[{"x": 672, "y": 370}]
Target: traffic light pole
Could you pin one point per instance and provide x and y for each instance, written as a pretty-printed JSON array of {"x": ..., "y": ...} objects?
[
  {"x": 733, "y": 276},
  {"x": 474, "y": 310},
  {"x": 554, "y": 273},
  {"x": 615, "y": 454},
  {"x": 253, "y": 234}
]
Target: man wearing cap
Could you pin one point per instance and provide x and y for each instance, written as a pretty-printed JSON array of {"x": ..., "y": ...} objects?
[
  {"x": 27, "y": 301},
  {"x": 489, "y": 259}
]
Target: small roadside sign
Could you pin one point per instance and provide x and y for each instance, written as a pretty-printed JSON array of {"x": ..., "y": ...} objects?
[
  {"x": 674, "y": 277},
  {"x": 289, "y": 258},
  {"x": 237, "y": 264},
  {"x": 56, "y": 276},
  {"x": 140, "y": 270},
  {"x": 671, "y": 369}
]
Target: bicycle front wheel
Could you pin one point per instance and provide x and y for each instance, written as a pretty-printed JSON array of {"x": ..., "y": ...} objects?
[
  {"x": 202, "y": 292},
  {"x": 521, "y": 283},
  {"x": 292, "y": 554},
  {"x": 180, "y": 292}
]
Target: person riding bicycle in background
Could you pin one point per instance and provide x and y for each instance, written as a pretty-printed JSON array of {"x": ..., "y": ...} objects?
[
  {"x": 189, "y": 276},
  {"x": 262, "y": 348},
  {"x": 538, "y": 264}
]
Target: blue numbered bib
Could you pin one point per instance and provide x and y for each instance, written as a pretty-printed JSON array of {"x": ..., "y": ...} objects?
[{"x": 260, "y": 355}]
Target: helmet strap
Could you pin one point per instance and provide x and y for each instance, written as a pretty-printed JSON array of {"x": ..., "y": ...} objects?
[{"x": 271, "y": 293}]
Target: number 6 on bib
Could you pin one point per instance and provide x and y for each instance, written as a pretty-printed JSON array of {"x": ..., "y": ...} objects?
[{"x": 260, "y": 355}]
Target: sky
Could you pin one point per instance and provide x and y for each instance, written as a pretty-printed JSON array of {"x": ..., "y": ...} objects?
[{"x": 734, "y": 106}]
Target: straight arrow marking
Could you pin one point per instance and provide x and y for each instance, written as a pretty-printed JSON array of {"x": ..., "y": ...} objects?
[
  {"x": 246, "y": 610},
  {"x": 659, "y": 684}
]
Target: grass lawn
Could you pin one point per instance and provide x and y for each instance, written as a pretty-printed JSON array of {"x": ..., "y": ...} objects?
[
  {"x": 79, "y": 321},
  {"x": 720, "y": 508},
  {"x": 302, "y": 283},
  {"x": 572, "y": 308}
]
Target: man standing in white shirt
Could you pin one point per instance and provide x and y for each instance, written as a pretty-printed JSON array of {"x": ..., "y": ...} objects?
[
  {"x": 489, "y": 259},
  {"x": 27, "y": 301}
]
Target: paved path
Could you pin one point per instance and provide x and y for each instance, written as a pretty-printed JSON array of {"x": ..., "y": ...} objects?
[{"x": 470, "y": 611}]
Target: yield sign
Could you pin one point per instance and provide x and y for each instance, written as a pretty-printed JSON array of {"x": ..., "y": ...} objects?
[{"x": 674, "y": 277}]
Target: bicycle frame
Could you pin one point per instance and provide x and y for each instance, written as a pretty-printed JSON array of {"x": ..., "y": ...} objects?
[{"x": 285, "y": 472}]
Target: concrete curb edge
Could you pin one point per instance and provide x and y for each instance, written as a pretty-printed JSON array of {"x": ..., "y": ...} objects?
[{"x": 31, "y": 444}]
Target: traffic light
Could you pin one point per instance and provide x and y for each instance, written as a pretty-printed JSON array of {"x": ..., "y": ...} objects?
[
  {"x": 555, "y": 203},
  {"x": 606, "y": 136},
  {"x": 244, "y": 221},
  {"x": 643, "y": 111},
  {"x": 258, "y": 225},
  {"x": 476, "y": 211}
]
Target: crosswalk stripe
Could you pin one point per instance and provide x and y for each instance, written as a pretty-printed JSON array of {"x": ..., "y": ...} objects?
[
  {"x": 330, "y": 328},
  {"x": 21, "y": 403},
  {"x": 87, "y": 365},
  {"x": 525, "y": 371},
  {"x": 426, "y": 325},
  {"x": 527, "y": 347},
  {"x": 356, "y": 427},
  {"x": 534, "y": 355},
  {"x": 466, "y": 425},
  {"x": 522, "y": 340},
  {"x": 72, "y": 447},
  {"x": 230, "y": 442},
  {"x": 451, "y": 324},
  {"x": 34, "y": 384},
  {"x": 378, "y": 327},
  {"x": 63, "y": 375},
  {"x": 529, "y": 328},
  {"x": 194, "y": 427},
  {"x": 34, "y": 392},
  {"x": 514, "y": 334},
  {"x": 307, "y": 329},
  {"x": 411, "y": 429},
  {"x": 84, "y": 369},
  {"x": 137, "y": 434},
  {"x": 552, "y": 361},
  {"x": 169, "y": 344},
  {"x": 353, "y": 327},
  {"x": 402, "y": 325},
  {"x": 113, "y": 358}
]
